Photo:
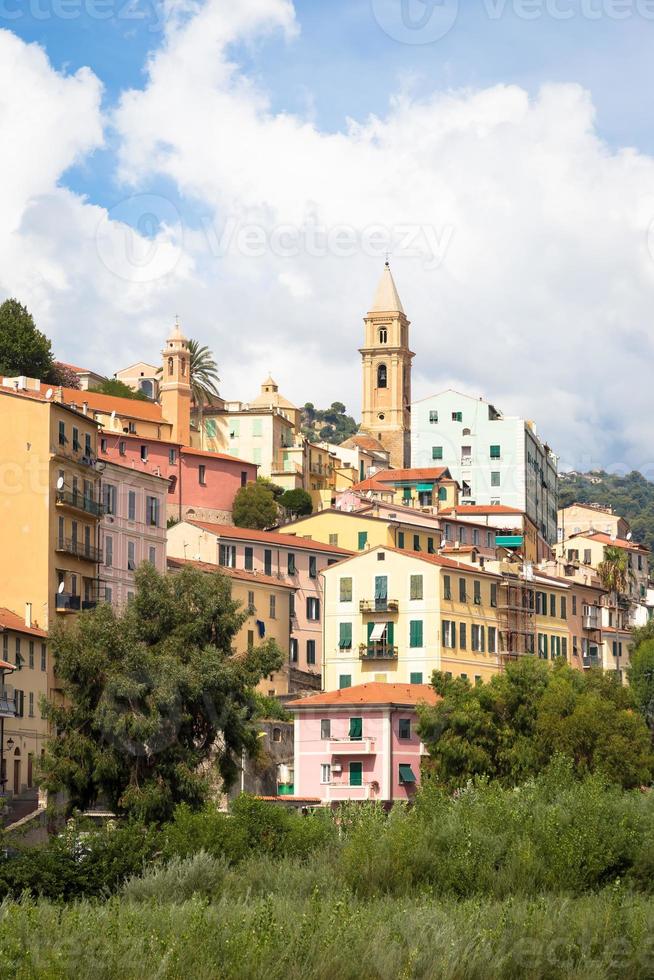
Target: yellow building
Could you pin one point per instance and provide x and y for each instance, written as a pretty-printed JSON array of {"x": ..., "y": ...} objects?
[
  {"x": 397, "y": 617},
  {"x": 262, "y": 597},
  {"x": 429, "y": 490}
]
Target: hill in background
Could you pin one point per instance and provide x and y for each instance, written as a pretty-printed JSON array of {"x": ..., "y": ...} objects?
[
  {"x": 328, "y": 424},
  {"x": 631, "y": 496}
]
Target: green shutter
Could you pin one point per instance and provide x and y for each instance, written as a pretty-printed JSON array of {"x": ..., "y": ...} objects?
[
  {"x": 390, "y": 633},
  {"x": 363, "y": 539},
  {"x": 356, "y": 728},
  {"x": 406, "y": 493},
  {"x": 356, "y": 774},
  {"x": 400, "y": 539},
  {"x": 345, "y": 636},
  {"x": 345, "y": 680},
  {"x": 381, "y": 587},
  {"x": 442, "y": 493},
  {"x": 406, "y": 774},
  {"x": 370, "y": 629},
  {"x": 415, "y": 633},
  {"x": 415, "y": 678}
]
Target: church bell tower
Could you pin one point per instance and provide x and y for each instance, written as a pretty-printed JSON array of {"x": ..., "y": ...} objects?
[
  {"x": 386, "y": 411},
  {"x": 175, "y": 386}
]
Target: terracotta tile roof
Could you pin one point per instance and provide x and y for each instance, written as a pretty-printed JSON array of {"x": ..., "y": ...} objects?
[
  {"x": 422, "y": 556},
  {"x": 134, "y": 408},
  {"x": 372, "y": 693},
  {"x": 382, "y": 479},
  {"x": 480, "y": 509},
  {"x": 292, "y": 541},
  {"x": 191, "y": 451},
  {"x": 617, "y": 542},
  {"x": 109, "y": 433},
  {"x": 237, "y": 573},
  {"x": 363, "y": 441},
  {"x": 10, "y": 621}
]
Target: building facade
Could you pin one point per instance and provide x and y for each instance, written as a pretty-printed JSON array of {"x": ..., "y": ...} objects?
[
  {"x": 359, "y": 743},
  {"x": 495, "y": 459}
]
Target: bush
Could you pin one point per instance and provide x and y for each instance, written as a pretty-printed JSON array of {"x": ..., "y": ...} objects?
[{"x": 179, "y": 880}]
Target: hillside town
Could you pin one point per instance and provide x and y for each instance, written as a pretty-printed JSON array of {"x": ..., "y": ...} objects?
[{"x": 433, "y": 540}]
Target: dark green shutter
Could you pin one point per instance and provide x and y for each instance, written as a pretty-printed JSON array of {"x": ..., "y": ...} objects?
[
  {"x": 356, "y": 774},
  {"x": 390, "y": 633},
  {"x": 356, "y": 728}
]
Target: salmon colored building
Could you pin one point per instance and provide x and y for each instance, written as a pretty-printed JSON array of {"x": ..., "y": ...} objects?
[{"x": 359, "y": 743}]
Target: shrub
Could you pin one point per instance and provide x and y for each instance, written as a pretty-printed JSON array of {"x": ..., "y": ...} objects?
[{"x": 179, "y": 880}]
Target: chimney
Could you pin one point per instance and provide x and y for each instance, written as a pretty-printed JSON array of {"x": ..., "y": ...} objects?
[{"x": 28, "y": 615}]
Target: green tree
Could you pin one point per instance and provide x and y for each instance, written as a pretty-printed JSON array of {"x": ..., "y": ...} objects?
[
  {"x": 254, "y": 506},
  {"x": 118, "y": 389},
  {"x": 297, "y": 502},
  {"x": 61, "y": 374},
  {"x": 155, "y": 699},
  {"x": 24, "y": 350},
  {"x": 510, "y": 728},
  {"x": 615, "y": 574},
  {"x": 641, "y": 678},
  {"x": 203, "y": 373}
]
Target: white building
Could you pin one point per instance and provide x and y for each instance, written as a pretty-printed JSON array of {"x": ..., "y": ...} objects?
[{"x": 495, "y": 459}]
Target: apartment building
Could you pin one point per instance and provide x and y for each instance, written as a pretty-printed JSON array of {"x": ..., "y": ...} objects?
[
  {"x": 293, "y": 560},
  {"x": 429, "y": 489},
  {"x": 513, "y": 529},
  {"x": 133, "y": 529},
  {"x": 395, "y": 617},
  {"x": 496, "y": 459},
  {"x": 359, "y": 743},
  {"x": 590, "y": 517},
  {"x": 588, "y": 548},
  {"x": 268, "y": 602}
]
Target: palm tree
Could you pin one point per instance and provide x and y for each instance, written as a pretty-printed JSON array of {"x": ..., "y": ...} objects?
[{"x": 615, "y": 575}]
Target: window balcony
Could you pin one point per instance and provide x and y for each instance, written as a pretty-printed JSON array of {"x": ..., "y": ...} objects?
[
  {"x": 66, "y": 602},
  {"x": 379, "y": 605},
  {"x": 594, "y": 661},
  {"x": 352, "y": 746},
  {"x": 78, "y": 502},
  {"x": 78, "y": 549},
  {"x": 7, "y": 702},
  {"x": 591, "y": 621},
  {"x": 377, "y": 651}
]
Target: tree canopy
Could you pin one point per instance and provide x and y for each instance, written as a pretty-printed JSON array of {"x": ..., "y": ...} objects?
[
  {"x": 155, "y": 699},
  {"x": 329, "y": 424},
  {"x": 24, "y": 350},
  {"x": 510, "y": 728},
  {"x": 297, "y": 502},
  {"x": 254, "y": 506},
  {"x": 118, "y": 389}
]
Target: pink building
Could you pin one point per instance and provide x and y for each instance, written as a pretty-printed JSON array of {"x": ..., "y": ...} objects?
[
  {"x": 200, "y": 484},
  {"x": 133, "y": 528},
  {"x": 359, "y": 743},
  {"x": 286, "y": 557}
]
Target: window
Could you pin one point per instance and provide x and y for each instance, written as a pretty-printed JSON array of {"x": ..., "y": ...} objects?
[
  {"x": 476, "y": 594},
  {"x": 248, "y": 559},
  {"x": 44, "y": 657},
  {"x": 109, "y": 498},
  {"x": 495, "y": 452},
  {"x": 362, "y": 540},
  {"x": 250, "y": 639},
  {"x": 20, "y": 703},
  {"x": 76, "y": 442},
  {"x": 433, "y": 417},
  {"x": 122, "y": 447},
  {"x": 542, "y": 646},
  {"x": 311, "y": 652},
  {"x": 416, "y": 587},
  {"x": 477, "y": 637},
  {"x": 131, "y": 506},
  {"x": 313, "y": 609},
  {"x": 31, "y": 654},
  {"x": 19, "y": 659},
  {"x": 293, "y": 650},
  {"x": 574, "y": 605},
  {"x": 430, "y": 546},
  {"x": 492, "y": 639},
  {"x": 400, "y": 539},
  {"x": 564, "y": 607},
  {"x": 415, "y": 677},
  {"x": 333, "y": 539},
  {"x": 257, "y": 427},
  {"x": 202, "y": 475},
  {"x": 344, "y": 680},
  {"x": 108, "y": 551},
  {"x": 447, "y": 587},
  {"x": 382, "y": 376},
  {"x": 436, "y": 452},
  {"x": 325, "y": 728},
  {"x": 132, "y": 428},
  {"x": 495, "y": 478},
  {"x": 273, "y": 607},
  {"x": 87, "y": 444},
  {"x": 564, "y": 647},
  {"x": 415, "y": 633},
  {"x": 383, "y": 336},
  {"x": 30, "y": 709},
  {"x": 152, "y": 555},
  {"x": 406, "y": 775},
  {"x": 381, "y": 556},
  {"x": 251, "y": 605},
  {"x": 345, "y": 636},
  {"x": 152, "y": 511},
  {"x": 62, "y": 434},
  {"x": 325, "y": 772},
  {"x": 290, "y": 564},
  {"x": 541, "y": 603},
  {"x": 463, "y": 636},
  {"x": 227, "y": 555},
  {"x": 144, "y": 454},
  {"x": 449, "y": 634},
  {"x": 244, "y": 478},
  {"x": 103, "y": 445},
  {"x": 131, "y": 556},
  {"x": 356, "y": 774},
  {"x": 345, "y": 590},
  {"x": 552, "y": 604},
  {"x": 355, "y": 731},
  {"x": 457, "y": 416},
  {"x": 493, "y": 594},
  {"x": 313, "y": 567},
  {"x": 267, "y": 562},
  {"x": 172, "y": 456},
  {"x": 416, "y": 542},
  {"x": 462, "y": 590},
  {"x": 404, "y": 728}
]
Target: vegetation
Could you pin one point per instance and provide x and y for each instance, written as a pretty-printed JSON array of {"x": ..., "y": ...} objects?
[
  {"x": 298, "y": 502},
  {"x": 118, "y": 389},
  {"x": 255, "y": 506},
  {"x": 508, "y": 729},
  {"x": 330, "y": 424},
  {"x": 203, "y": 374},
  {"x": 631, "y": 496},
  {"x": 154, "y": 697},
  {"x": 24, "y": 350},
  {"x": 61, "y": 374}
]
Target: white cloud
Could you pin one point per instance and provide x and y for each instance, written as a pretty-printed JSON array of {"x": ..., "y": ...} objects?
[{"x": 531, "y": 280}]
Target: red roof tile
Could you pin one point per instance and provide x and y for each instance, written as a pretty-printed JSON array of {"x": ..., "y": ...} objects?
[
  {"x": 191, "y": 451},
  {"x": 134, "y": 408},
  {"x": 238, "y": 573},
  {"x": 10, "y": 621},
  {"x": 480, "y": 509},
  {"x": 385, "y": 478},
  {"x": 372, "y": 693},
  {"x": 292, "y": 541},
  {"x": 616, "y": 542}
]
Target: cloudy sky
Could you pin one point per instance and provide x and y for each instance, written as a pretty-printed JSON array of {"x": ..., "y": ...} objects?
[{"x": 248, "y": 165}]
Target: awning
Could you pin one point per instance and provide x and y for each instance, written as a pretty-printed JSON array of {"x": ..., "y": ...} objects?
[
  {"x": 378, "y": 631},
  {"x": 425, "y": 487},
  {"x": 406, "y": 774}
]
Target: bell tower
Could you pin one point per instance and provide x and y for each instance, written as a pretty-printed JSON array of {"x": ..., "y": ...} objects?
[
  {"x": 386, "y": 410},
  {"x": 175, "y": 386}
]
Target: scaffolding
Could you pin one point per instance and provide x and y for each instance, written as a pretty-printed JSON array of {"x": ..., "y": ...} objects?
[{"x": 516, "y": 612}]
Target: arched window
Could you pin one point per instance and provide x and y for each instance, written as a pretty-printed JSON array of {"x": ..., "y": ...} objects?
[
  {"x": 382, "y": 377},
  {"x": 383, "y": 336},
  {"x": 170, "y": 365},
  {"x": 183, "y": 366},
  {"x": 466, "y": 432}
]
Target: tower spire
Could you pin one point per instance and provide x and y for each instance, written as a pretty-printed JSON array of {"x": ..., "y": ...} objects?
[{"x": 387, "y": 299}]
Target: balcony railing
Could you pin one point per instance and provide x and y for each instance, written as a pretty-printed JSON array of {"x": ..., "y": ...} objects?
[
  {"x": 352, "y": 746},
  {"x": 79, "y": 549},
  {"x": 7, "y": 702},
  {"x": 377, "y": 651},
  {"x": 591, "y": 621},
  {"x": 594, "y": 661},
  {"x": 378, "y": 605},
  {"x": 67, "y": 498},
  {"x": 67, "y": 602}
]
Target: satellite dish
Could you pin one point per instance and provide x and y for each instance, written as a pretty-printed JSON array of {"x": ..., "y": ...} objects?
[
  {"x": 61, "y": 587},
  {"x": 49, "y": 393},
  {"x": 60, "y": 483},
  {"x": 443, "y": 542},
  {"x": 629, "y": 536},
  {"x": 113, "y": 415}
]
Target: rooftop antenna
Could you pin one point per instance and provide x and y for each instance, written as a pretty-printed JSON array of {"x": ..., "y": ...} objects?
[
  {"x": 629, "y": 535},
  {"x": 49, "y": 394}
]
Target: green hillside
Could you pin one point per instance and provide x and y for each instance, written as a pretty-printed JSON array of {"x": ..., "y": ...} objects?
[{"x": 631, "y": 496}]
